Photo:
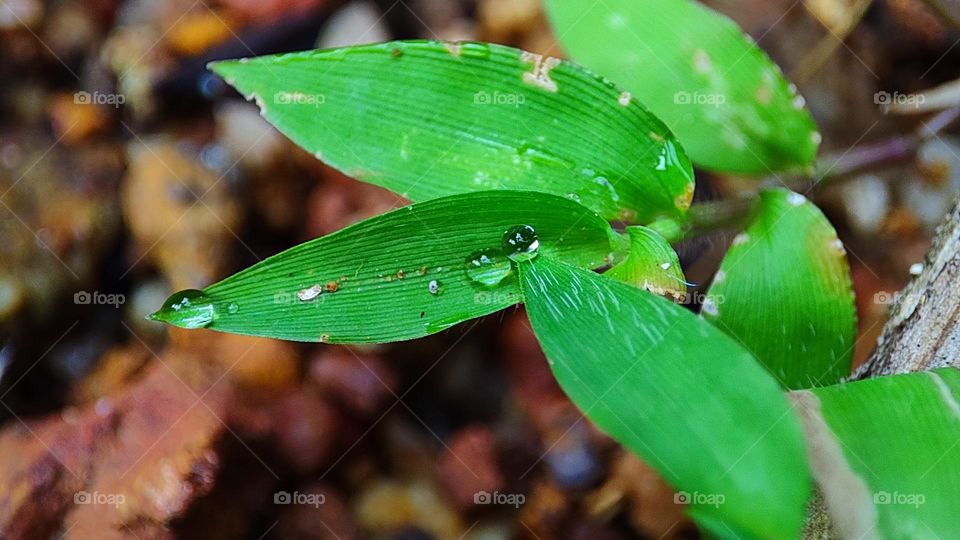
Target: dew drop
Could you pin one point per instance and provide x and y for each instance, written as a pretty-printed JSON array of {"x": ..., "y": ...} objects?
[
  {"x": 434, "y": 287},
  {"x": 233, "y": 308},
  {"x": 796, "y": 199},
  {"x": 709, "y": 308},
  {"x": 487, "y": 267},
  {"x": 837, "y": 246},
  {"x": 521, "y": 243},
  {"x": 188, "y": 309}
]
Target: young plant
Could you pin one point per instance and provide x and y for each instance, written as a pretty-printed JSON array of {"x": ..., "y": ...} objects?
[{"x": 517, "y": 164}]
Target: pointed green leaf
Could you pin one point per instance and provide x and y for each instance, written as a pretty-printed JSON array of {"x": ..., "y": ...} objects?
[
  {"x": 427, "y": 119},
  {"x": 784, "y": 291},
  {"x": 727, "y": 102},
  {"x": 397, "y": 276},
  {"x": 651, "y": 264},
  {"x": 885, "y": 454},
  {"x": 681, "y": 394}
]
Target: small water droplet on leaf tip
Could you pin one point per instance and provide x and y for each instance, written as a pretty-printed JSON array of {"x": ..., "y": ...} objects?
[{"x": 188, "y": 309}]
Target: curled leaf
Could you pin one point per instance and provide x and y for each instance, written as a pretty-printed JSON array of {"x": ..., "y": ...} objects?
[{"x": 651, "y": 264}]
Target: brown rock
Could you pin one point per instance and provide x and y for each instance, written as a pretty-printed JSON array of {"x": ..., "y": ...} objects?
[
  {"x": 357, "y": 380},
  {"x": 46, "y": 464},
  {"x": 388, "y": 506},
  {"x": 647, "y": 499},
  {"x": 328, "y": 520},
  {"x": 162, "y": 457},
  {"x": 306, "y": 429},
  {"x": 181, "y": 214},
  {"x": 74, "y": 119},
  {"x": 468, "y": 465}
]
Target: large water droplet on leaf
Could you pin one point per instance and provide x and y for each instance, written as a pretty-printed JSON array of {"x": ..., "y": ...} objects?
[
  {"x": 488, "y": 267},
  {"x": 187, "y": 309},
  {"x": 521, "y": 243}
]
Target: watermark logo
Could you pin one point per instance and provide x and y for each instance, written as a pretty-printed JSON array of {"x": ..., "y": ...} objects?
[
  {"x": 96, "y": 298},
  {"x": 499, "y": 98},
  {"x": 702, "y": 499},
  {"x": 306, "y": 499},
  {"x": 489, "y": 298},
  {"x": 886, "y": 100},
  {"x": 700, "y": 298},
  {"x": 900, "y": 499},
  {"x": 110, "y": 499},
  {"x": 99, "y": 98},
  {"x": 505, "y": 499},
  {"x": 699, "y": 98},
  {"x": 299, "y": 98}
]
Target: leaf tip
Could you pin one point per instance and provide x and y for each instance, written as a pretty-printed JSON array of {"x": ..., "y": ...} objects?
[{"x": 189, "y": 309}]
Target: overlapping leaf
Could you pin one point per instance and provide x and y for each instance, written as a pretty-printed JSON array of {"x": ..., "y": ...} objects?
[
  {"x": 427, "y": 119},
  {"x": 678, "y": 392},
  {"x": 784, "y": 291},
  {"x": 397, "y": 276},
  {"x": 884, "y": 454},
  {"x": 726, "y": 101},
  {"x": 651, "y": 264}
]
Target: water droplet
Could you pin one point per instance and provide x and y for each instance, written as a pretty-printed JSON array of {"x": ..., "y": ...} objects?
[
  {"x": 916, "y": 269},
  {"x": 233, "y": 308},
  {"x": 487, "y": 267},
  {"x": 741, "y": 239},
  {"x": 709, "y": 307},
  {"x": 434, "y": 287},
  {"x": 186, "y": 309},
  {"x": 837, "y": 246},
  {"x": 521, "y": 243},
  {"x": 796, "y": 199}
]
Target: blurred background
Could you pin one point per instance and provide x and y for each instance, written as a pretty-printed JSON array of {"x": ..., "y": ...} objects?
[{"x": 127, "y": 171}]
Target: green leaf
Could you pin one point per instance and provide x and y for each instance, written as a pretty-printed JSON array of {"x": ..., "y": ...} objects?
[
  {"x": 784, "y": 291},
  {"x": 678, "y": 392},
  {"x": 885, "y": 454},
  {"x": 427, "y": 119},
  {"x": 397, "y": 276},
  {"x": 693, "y": 67},
  {"x": 651, "y": 264}
]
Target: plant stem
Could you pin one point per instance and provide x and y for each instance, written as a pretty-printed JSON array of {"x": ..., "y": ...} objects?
[
  {"x": 717, "y": 215},
  {"x": 731, "y": 213}
]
